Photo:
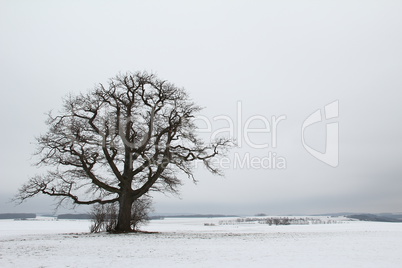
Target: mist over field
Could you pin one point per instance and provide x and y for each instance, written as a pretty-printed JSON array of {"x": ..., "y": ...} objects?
[{"x": 248, "y": 64}]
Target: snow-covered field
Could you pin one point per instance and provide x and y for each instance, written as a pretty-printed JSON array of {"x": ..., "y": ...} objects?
[{"x": 188, "y": 242}]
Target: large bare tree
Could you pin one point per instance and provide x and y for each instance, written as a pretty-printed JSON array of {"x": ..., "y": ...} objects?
[{"x": 120, "y": 141}]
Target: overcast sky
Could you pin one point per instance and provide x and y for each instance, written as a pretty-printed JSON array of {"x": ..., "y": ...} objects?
[{"x": 253, "y": 58}]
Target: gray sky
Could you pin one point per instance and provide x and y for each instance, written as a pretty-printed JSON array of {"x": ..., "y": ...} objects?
[{"x": 273, "y": 57}]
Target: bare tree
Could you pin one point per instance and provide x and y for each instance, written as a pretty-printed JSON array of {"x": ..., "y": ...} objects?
[{"x": 120, "y": 141}]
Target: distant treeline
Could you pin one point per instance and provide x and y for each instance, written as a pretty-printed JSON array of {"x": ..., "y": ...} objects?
[
  {"x": 74, "y": 217},
  {"x": 373, "y": 217},
  {"x": 17, "y": 216},
  {"x": 199, "y": 216},
  {"x": 276, "y": 221},
  {"x": 88, "y": 216}
]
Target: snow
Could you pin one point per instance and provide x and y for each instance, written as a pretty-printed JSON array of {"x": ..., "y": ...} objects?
[{"x": 188, "y": 242}]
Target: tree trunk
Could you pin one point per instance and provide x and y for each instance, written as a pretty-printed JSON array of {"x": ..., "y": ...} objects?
[{"x": 124, "y": 218}]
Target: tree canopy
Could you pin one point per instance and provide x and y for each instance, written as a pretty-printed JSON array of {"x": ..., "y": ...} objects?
[{"x": 118, "y": 142}]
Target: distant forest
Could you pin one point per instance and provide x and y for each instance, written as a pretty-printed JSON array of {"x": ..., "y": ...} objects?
[
  {"x": 21, "y": 216},
  {"x": 380, "y": 217}
]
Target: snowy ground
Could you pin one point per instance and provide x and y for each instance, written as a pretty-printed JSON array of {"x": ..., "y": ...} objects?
[{"x": 190, "y": 243}]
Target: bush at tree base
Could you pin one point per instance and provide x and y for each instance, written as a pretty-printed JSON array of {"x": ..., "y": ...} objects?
[{"x": 104, "y": 216}]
